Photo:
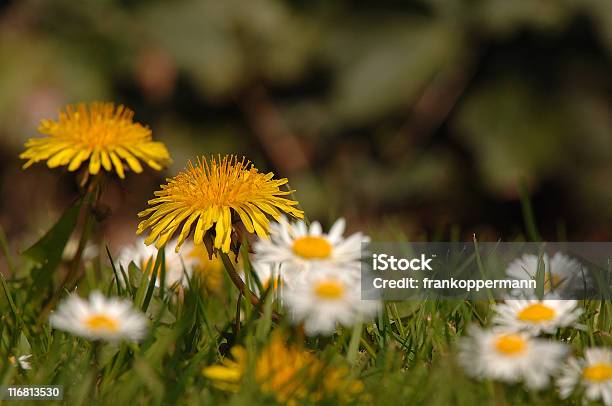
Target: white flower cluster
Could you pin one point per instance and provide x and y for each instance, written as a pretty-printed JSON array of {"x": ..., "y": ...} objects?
[
  {"x": 319, "y": 274},
  {"x": 512, "y": 350}
]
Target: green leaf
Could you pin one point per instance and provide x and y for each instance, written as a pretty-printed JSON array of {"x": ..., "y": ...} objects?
[
  {"x": 160, "y": 264},
  {"x": 9, "y": 298},
  {"x": 265, "y": 323},
  {"x": 353, "y": 350},
  {"x": 137, "y": 278},
  {"x": 540, "y": 276},
  {"x": 47, "y": 252},
  {"x": 6, "y": 251},
  {"x": 117, "y": 280}
]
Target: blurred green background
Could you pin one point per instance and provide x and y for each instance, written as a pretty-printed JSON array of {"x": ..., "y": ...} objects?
[{"x": 413, "y": 116}]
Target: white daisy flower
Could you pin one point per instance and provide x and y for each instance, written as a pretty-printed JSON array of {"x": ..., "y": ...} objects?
[
  {"x": 179, "y": 267},
  {"x": 23, "y": 361},
  {"x": 100, "y": 318},
  {"x": 510, "y": 357},
  {"x": 537, "y": 316},
  {"x": 301, "y": 247},
  {"x": 561, "y": 273},
  {"x": 593, "y": 374},
  {"x": 321, "y": 299}
]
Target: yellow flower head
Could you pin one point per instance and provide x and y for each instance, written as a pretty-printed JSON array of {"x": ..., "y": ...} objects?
[
  {"x": 210, "y": 192},
  {"x": 100, "y": 133},
  {"x": 287, "y": 372},
  {"x": 228, "y": 375}
]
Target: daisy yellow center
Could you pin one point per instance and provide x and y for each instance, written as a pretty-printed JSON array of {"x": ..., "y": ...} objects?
[
  {"x": 598, "y": 372},
  {"x": 510, "y": 344},
  {"x": 329, "y": 289},
  {"x": 310, "y": 247},
  {"x": 537, "y": 313},
  {"x": 99, "y": 322}
]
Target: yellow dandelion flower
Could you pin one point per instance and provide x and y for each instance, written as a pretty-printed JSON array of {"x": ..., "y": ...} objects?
[
  {"x": 338, "y": 384},
  {"x": 210, "y": 192},
  {"x": 285, "y": 371},
  {"x": 228, "y": 375},
  {"x": 288, "y": 372},
  {"x": 101, "y": 133}
]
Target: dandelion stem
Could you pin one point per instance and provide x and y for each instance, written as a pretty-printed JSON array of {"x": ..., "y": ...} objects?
[
  {"x": 237, "y": 280},
  {"x": 239, "y": 283},
  {"x": 237, "y": 326}
]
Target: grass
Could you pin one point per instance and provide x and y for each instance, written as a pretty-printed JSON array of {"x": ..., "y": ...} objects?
[{"x": 406, "y": 356}]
